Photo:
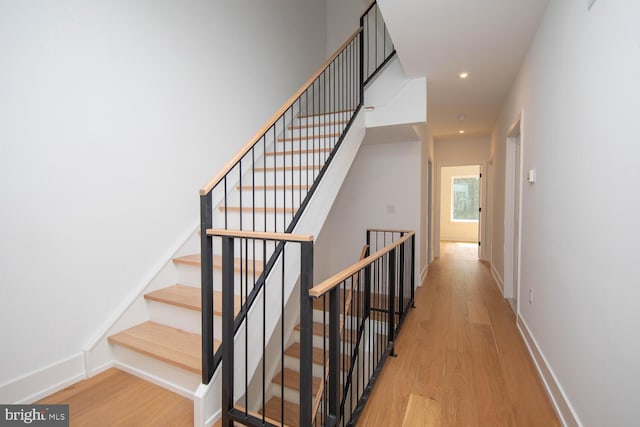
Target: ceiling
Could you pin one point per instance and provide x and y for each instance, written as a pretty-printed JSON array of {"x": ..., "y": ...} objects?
[{"x": 440, "y": 39}]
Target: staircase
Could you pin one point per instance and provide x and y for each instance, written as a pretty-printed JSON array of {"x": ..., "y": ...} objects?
[
  {"x": 283, "y": 181},
  {"x": 287, "y": 170}
]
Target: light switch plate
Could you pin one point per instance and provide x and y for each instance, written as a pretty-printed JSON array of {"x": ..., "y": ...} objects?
[{"x": 531, "y": 176}]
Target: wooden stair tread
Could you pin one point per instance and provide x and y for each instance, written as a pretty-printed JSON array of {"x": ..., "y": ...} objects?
[
  {"x": 286, "y": 168},
  {"x": 292, "y": 380},
  {"x": 303, "y": 116},
  {"x": 291, "y": 411},
  {"x": 318, "y": 330},
  {"x": 194, "y": 260},
  {"x": 189, "y": 297},
  {"x": 170, "y": 345},
  {"x": 317, "y": 357},
  {"x": 309, "y": 137},
  {"x": 318, "y": 124},
  {"x": 298, "y": 152},
  {"x": 272, "y": 187},
  {"x": 257, "y": 209},
  {"x": 317, "y": 353}
]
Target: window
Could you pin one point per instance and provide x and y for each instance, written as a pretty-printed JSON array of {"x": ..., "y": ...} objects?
[{"x": 465, "y": 198}]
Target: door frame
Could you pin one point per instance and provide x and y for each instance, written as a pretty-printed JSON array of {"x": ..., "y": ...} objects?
[{"x": 514, "y": 155}]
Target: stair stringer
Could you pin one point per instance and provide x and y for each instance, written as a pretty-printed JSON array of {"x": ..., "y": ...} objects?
[{"x": 208, "y": 397}]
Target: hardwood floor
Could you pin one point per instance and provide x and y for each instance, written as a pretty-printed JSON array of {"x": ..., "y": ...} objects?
[
  {"x": 459, "y": 351},
  {"x": 115, "y": 398}
]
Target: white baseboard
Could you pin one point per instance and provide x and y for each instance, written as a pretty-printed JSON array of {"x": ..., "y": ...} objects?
[
  {"x": 423, "y": 275},
  {"x": 497, "y": 278},
  {"x": 561, "y": 404},
  {"x": 36, "y": 385}
]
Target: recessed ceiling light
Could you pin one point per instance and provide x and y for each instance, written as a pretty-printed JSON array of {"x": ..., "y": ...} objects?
[
  {"x": 460, "y": 131},
  {"x": 464, "y": 75}
]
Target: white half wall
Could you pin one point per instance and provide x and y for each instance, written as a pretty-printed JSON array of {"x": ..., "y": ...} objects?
[
  {"x": 113, "y": 114},
  {"x": 579, "y": 93},
  {"x": 392, "y": 98}
]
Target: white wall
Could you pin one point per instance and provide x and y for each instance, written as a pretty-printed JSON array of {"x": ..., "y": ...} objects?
[
  {"x": 455, "y": 152},
  {"x": 456, "y": 231},
  {"x": 382, "y": 190},
  {"x": 426, "y": 205},
  {"x": 343, "y": 19},
  {"x": 112, "y": 115},
  {"x": 580, "y": 96}
]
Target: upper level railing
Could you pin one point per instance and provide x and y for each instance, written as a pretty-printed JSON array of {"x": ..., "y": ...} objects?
[
  {"x": 367, "y": 303},
  {"x": 266, "y": 186}
]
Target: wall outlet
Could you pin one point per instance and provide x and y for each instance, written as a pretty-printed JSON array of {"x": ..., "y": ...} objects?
[{"x": 530, "y": 296}]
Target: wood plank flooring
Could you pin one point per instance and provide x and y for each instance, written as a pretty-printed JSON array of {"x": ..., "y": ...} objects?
[
  {"x": 115, "y": 398},
  {"x": 459, "y": 351}
]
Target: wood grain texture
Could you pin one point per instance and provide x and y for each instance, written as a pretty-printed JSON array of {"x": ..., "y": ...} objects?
[
  {"x": 287, "y": 237},
  {"x": 114, "y": 398},
  {"x": 461, "y": 350},
  {"x": 189, "y": 297},
  {"x": 170, "y": 345},
  {"x": 421, "y": 412},
  {"x": 291, "y": 411}
]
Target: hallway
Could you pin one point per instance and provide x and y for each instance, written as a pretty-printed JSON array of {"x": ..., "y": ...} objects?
[{"x": 460, "y": 356}]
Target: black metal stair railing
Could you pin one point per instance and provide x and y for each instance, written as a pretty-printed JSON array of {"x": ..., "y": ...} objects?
[
  {"x": 367, "y": 304},
  {"x": 268, "y": 184}
]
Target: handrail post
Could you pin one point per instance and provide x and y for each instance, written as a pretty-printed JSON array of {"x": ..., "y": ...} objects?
[
  {"x": 361, "y": 60},
  {"x": 401, "y": 278},
  {"x": 413, "y": 271},
  {"x": 206, "y": 288},
  {"x": 334, "y": 357},
  {"x": 227, "y": 330},
  {"x": 392, "y": 294},
  {"x": 367, "y": 281},
  {"x": 306, "y": 331}
]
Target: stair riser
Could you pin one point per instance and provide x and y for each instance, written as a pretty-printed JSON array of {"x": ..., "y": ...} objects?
[
  {"x": 322, "y": 317},
  {"x": 279, "y": 177},
  {"x": 294, "y": 364},
  {"x": 325, "y": 118},
  {"x": 190, "y": 276},
  {"x": 171, "y": 377},
  {"x": 182, "y": 318},
  {"x": 318, "y": 341},
  {"x": 320, "y": 128},
  {"x": 263, "y": 222},
  {"x": 317, "y": 156},
  {"x": 289, "y": 394},
  {"x": 267, "y": 198}
]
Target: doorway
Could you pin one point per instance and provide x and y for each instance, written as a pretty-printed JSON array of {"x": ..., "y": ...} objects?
[
  {"x": 513, "y": 216},
  {"x": 460, "y": 204}
]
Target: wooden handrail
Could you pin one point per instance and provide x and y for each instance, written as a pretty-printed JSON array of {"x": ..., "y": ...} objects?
[
  {"x": 231, "y": 163},
  {"x": 335, "y": 280},
  {"x": 283, "y": 237}
]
